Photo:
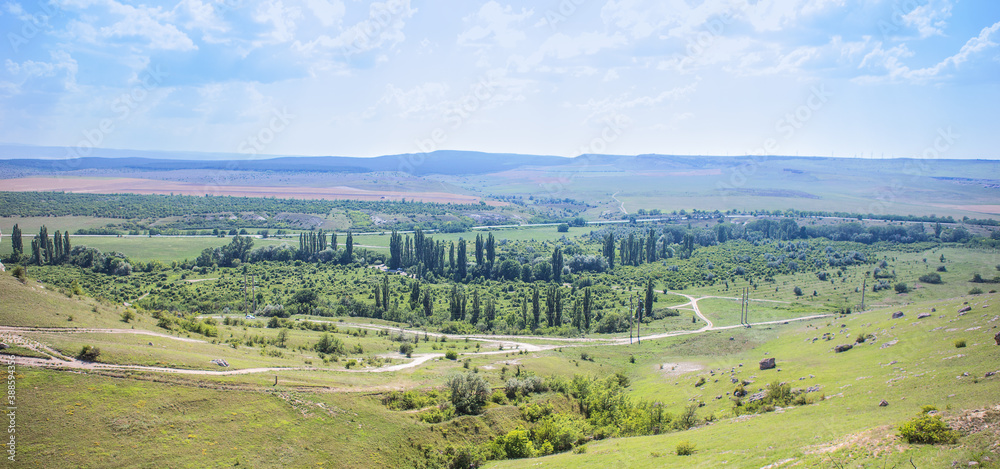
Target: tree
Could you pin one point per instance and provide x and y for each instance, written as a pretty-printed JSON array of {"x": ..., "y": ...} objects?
[
  {"x": 550, "y": 306},
  {"x": 587, "y": 303},
  {"x": 469, "y": 393},
  {"x": 463, "y": 261},
  {"x": 16, "y": 244},
  {"x": 475, "y": 308},
  {"x": 305, "y": 299},
  {"x": 797, "y": 291},
  {"x": 333, "y": 240},
  {"x": 536, "y": 310},
  {"x": 609, "y": 249},
  {"x": 648, "y": 303},
  {"x": 491, "y": 250},
  {"x": 557, "y": 264},
  {"x": 562, "y": 228},
  {"x": 349, "y": 248},
  {"x": 428, "y": 300},
  {"x": 491, "y": 313},
  {"x": 479, "y": 249},
  {"x": 282, "y": 337},
  {"x": 395, "y": 250}
]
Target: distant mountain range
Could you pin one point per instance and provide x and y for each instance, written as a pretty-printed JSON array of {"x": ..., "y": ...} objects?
[{"x": 447, "y": 162}]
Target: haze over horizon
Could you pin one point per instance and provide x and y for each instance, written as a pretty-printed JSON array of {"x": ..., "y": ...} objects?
[{"x": 837, "y": 78}]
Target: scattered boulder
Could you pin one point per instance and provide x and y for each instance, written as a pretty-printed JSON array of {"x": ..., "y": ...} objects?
[
  {"x": 923, "y": 315},
  {"x": 883, "y": 403},
  {"x": 842, "y": 348},
  {"x": 220, "y": 362},
  {"x": 989, "y": 373},
  {"x": 767, "y": 363},
  {"x": 897, "y": 315},
  {"x": 933, "y": 310},
  {"x": 965, "y": 309},
  {"x": 3, "y": 346},
  {"x": 997, "y": 338}
]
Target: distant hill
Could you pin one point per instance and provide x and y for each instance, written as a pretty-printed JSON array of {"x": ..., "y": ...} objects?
[
  {"x": 449, "y": 162},
  {"x": 44, "y": 160}
]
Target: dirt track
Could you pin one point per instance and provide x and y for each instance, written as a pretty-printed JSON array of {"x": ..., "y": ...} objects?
[{"x": 509, "y": 343}]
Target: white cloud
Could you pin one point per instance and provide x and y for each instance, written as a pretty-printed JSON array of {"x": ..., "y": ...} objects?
[
  {"x": 617, "y": 104},
  {"x": 62, "y": 64},
  {"x": 382, "y": 29},
  {"x": 151, "y": 24},
  {"x": 497, "y": 21},
  {"x": 561, "y": 46},
  {"x": 329, "y": 12},
  {"x": 896, "y": 71},
  {"x": 281, "y": 18},
  {"x": 930, "y": 18}
]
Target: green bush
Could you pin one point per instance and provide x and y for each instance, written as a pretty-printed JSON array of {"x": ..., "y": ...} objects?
[
  {"x": 514, "y": 445},
  {"x": 406, "y": 348},
  {"x": 469, "y": 392},
  {"x": 976, "y": 291},
  {"x": 20, "y": 273},
  {"x": 451, "y": 355},
  {"x": 960, "y": 343},
  {"x": 932, "y": 277},
  {"x": 902, "y": 287},
  {"x": 685, "y": 448},
  {"x": 89, "y": 354},
  {"x": 928, "y": 430}
]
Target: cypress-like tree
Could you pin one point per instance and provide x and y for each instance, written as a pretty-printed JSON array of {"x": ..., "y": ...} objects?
[
  {"x": 475, "y": 308},
  {"x": 16, "y": 243},
  {"x": 536, "y": 310},
  {"x": 462, "y": 261}
]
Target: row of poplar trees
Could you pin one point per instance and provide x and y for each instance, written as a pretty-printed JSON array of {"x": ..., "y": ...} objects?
[{"x": 44, "y": 249}]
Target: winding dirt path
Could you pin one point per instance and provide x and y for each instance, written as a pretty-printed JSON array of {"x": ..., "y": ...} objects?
[{"x": 507, "y": 343}]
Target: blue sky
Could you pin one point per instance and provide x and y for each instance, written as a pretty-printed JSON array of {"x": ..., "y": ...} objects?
[{"x": 916, "y": 78}]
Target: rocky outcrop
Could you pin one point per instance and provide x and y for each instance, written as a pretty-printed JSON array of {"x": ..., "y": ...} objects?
[
  {"x": 767, "y": 364},
  {"x": 897, "y": 315},
  {"x": 842, "y": 348}
]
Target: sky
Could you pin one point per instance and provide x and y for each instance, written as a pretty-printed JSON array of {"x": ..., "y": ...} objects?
[{"x": 872, "y": 79}]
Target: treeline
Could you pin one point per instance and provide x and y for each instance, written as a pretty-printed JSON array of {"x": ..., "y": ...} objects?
[
  {"x": 634, "y": 244},
  {"x": 58, "y": 250},
  {"x": 136, "y": 206}
]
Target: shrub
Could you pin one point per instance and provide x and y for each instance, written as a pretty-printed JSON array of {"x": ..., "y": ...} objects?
[
  {"x": 976, "y": 291},
  {"x": 932, "y": 277},
  {"x": 406, "y": 348},
  {"x": 942, "y": 268},
  {"x": 798, "y": 291},
  {"x": 514, "y": 445},
  {"x": 89, "y": 354},
  {"x": 20, "y": 273},
  {"x": 685, "y": 448},
  {"x": 127, "y": 316},
  {"x": 451, "y": 355},
  {"x": 469, "y": 393},
  {"x": 928, "y": 430},
  {"x": 688, "y": 418},
  {"x": 901, "y": 287},
  {"x": 960, "y": 343}
]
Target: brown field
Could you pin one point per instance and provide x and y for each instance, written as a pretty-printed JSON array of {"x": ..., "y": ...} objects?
[{"x": 151, "y": 186}]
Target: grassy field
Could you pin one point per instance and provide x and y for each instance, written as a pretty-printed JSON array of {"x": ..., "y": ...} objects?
[{"x": 848, "y": 427}]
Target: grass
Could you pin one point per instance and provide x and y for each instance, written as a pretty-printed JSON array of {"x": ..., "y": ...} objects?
[{"x": 920, "y": 368}]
